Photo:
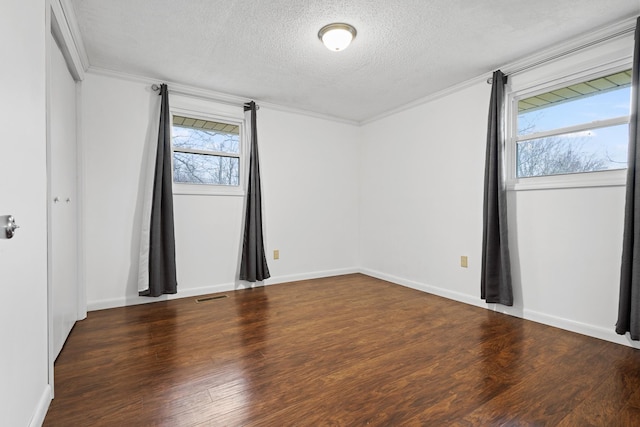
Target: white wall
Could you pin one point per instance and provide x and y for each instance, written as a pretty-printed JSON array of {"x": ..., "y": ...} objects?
[
  {"x": 309, "y": 172},
  {"x": 421, "y": 194},
  {"x": 310, "y": 178},
  {"x": 24, "y": 388},
  {"x": 421, "y": 209},
  {"x": 568, "y": 247},
  {"x": 399, "y": 198}
]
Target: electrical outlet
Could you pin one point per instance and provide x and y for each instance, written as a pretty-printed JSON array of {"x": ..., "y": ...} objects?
[
  {"x": 276, "y": 254},
  {"x": 464, "y": 261}
]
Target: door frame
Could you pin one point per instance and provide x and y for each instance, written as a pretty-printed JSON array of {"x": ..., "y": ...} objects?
[{"x": 61, "y": 24}]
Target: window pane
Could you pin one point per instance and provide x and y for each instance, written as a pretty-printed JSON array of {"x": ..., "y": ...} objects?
[
  {"x": 205, "y": 139},
  {"x": 586, "y": 151},
  {"x": 598, "y": 99},
  {"x": 205, "y": 169}
]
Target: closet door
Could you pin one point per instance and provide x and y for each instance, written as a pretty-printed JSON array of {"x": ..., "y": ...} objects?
[{"x": 63, "y": 211}]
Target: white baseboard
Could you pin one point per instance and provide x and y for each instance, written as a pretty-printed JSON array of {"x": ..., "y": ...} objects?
[
  {"x": 41, "y": 410},
  {"x": 136, "y": 299},
  {"x": 313, "y": 275},
  {"x": 446, "y": 293},
  {"x": 205, "y": 290},
  {"x": 535, "y": 316},
  {"x": 581, "y": 328}
]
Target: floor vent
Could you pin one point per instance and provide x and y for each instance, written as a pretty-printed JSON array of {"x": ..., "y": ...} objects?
[{"x": 205, "y": 299}]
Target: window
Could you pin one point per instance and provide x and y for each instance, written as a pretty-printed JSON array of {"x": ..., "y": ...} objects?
[
  {"x": 206, "y": 152},
  {"x": 581, "y": 127}
]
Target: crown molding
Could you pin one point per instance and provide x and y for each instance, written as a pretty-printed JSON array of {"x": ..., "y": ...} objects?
[
  {"x": 302, "y": 112},
  {"x": 211, "y": 95},
  {"x": 426, "y": 99},
  {"x": 70, "y": 23},
  {"x": 610, "y": 32},
  {"x": 607, "y": 33}
]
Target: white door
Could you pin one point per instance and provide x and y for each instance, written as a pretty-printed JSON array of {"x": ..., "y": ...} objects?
[
  {"x": 63, "y": 213},
  {"x": 23, "y": 259}
]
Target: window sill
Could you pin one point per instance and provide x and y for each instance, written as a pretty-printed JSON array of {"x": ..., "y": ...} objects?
[
  {"x": 207, "y": 190},
  {"x": 612, "y": 178}
]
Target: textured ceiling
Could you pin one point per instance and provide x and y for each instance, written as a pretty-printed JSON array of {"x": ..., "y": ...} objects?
[{"x": 269, "y": 50}]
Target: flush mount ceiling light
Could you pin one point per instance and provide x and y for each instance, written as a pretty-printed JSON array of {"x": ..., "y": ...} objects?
[{"x": 337, "y": 37}]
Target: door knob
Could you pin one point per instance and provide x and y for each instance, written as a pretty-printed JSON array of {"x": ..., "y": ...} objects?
[{"x": 9, "y": 225}]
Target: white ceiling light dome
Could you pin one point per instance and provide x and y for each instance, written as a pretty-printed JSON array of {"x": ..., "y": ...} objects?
[{"x": 338, "y": 36}]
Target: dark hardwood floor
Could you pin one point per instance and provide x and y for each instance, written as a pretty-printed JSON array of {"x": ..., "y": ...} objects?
[{"x": 341, "y": 351}]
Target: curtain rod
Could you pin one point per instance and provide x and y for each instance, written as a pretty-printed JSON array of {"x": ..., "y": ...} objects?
[
  {"x": 155, "y": 87},
  {"x": 568, "y": 52}
]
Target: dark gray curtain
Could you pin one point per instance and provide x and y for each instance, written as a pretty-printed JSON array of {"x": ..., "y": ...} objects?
[
  {"x": 496, "y": 265},
  {"x": 253, "y": 267},
  {"x": 629, "y": 303},
  {"x": 162, "y": 259}
]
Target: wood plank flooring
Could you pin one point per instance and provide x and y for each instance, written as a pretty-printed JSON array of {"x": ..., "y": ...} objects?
[{"x": 343, "y": 351}]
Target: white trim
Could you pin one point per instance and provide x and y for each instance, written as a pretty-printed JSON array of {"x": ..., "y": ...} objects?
[
  {"x": 212, "y": 289},
  {"x": 74, "y": 29},
  {"x": 306, "y": 113},
  {"x": 48, "y": 56},
  {"x": 610, "y": 32},
  {"x": 606, "y": 178},
  {"x": 210, "y": 95},
  {"x": 243, "y": 162},
  {"x": 532, "y": 315},
  {"x": 607, "y": 33},
  {"x": 189, "y": 111},
  {"x": 579, "y": 73},
  {"x": 559, "y": 50},
  {"x": 313, "y": 275},
  {"x": 61, "y": 27},
  {"x": 137, "y": 300},
  {"x": 429, "y": 289},
  {"x": 474, "y": 300},
  {"x": 43, "y": 406},
  {"x": 80, "y": 208},
  {"x": 598, "y": 124},
  {"x": 580, "y": 328},
  {"x": 180, "y": 189},
  {"x": 426, "y": 99},
  {"x": 207, "y": 152}
]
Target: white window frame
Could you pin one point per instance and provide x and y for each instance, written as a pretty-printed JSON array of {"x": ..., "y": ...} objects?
[
  {"x": 605, "y": 178},
  {"x": 213, "y": 189}
]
